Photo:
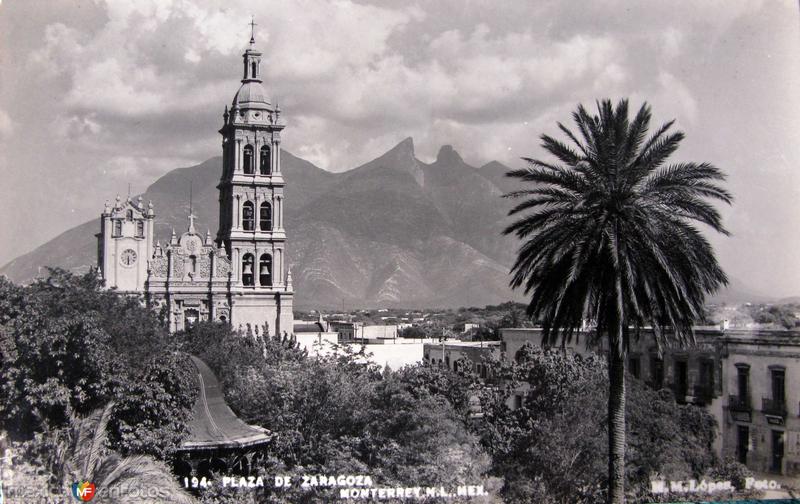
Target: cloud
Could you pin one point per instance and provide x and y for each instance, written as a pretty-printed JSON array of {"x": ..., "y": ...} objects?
[
  {"x": 6, "y": 125},
  {"x": 340, "y": 66},
  {"x": 132, "y": 89}
]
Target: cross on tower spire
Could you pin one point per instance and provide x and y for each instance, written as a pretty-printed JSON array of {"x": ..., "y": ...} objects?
[
  {"x": 253, "y": 25},
  {"x": 192, "y": 216}
]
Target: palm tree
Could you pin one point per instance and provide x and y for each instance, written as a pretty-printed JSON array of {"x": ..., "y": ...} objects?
[
  {"x": 79, "y": 454},
  {"x": 610, "y": 234}
]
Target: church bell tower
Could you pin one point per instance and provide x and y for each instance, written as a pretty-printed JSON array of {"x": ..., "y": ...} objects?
[
  {"x": 125, "y": 244},
  {"x": 251, "y": 204}
]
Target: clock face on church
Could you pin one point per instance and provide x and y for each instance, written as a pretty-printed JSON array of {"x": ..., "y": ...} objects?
[{"x": 128, "y": 257}]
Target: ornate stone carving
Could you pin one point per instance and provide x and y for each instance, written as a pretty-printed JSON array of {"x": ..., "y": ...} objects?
[
  {"x": 204, "y": 266},
  {"x": 223, "y": 266},
  {"x": 178, "y": 269},
  {"x": 159, "y": 265}
]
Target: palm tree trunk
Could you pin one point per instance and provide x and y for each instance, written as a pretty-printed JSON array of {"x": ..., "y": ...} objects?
[{"x": 616, "y": 422}]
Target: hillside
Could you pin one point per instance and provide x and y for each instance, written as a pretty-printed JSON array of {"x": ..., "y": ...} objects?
[{"x": 392, "y": 232}]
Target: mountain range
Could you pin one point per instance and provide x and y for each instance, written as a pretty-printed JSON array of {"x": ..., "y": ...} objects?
[{"x": 394, "y": 232}]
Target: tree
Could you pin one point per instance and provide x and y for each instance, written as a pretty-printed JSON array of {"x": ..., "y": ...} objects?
[
  {"x": 152, "y": 413},
  {"x": 68, "y": 346},
  {"x": 550, "y": 449},
  {"x": 340, "y": 414},
  {"x": 78, "y": 452},
  {"x": 610, "y": 234}
]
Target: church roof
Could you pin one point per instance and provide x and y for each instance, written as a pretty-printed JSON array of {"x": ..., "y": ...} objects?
[
  {"x": 251, "y": 94},
  {"x": 214, "y": 425}
]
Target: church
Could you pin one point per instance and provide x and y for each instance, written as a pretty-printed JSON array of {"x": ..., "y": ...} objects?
[{"x": 240, "y": 276}]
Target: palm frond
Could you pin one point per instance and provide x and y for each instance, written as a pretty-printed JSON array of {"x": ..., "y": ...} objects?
[{"x": 607, "y": 229}]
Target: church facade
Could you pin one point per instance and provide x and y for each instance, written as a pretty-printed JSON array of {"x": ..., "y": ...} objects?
[{"x": 241, "y": 276}]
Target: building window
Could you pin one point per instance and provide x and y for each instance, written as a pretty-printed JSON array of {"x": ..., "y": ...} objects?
[
  {"x": 129, "y": 215},
  {"x": 778, "y": 385},
  {"x": 681, "y": 379},
  {"x": 707, "y": 374},
  {"x": 657, "y": 372},
  {"x": 633, "y": 366},
  {"x": 705, "y": 390},
  {"x": 117, "y": 228},
  {"x": 192, "y": 264},
  {"x": 742, "y": 443},
  {"x": 265, "y": 161},
  {"x": 776, "y": 465},
  {"x": 265, "y": 217},
  {"x": 140, "y": 229},
  {"x": 265, "y": 270},
  {"x": 743, "y": 384},
  {"x": 517, "y": 401},
  {"x": 247, "y": 270},
  {"x": 248, "y": 160},
  {"x": 248, "y": 216},
  {"x": 253, "y": 70}
]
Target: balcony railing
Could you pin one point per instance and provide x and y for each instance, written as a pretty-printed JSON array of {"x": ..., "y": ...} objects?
[
  {"x": 773, "y": 407},
  {"x": 737, "y": 403}
]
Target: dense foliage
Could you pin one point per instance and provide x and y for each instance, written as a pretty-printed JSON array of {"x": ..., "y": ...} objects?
[
  {"x": 151, "y": 413},
  {"x": 553, "y": 448},
  {"x": 339, "y": 414},
  {"x": 68, "y": 347},
  {"x": 332, "y": 414},
  {"x": 783, "y": 316}
]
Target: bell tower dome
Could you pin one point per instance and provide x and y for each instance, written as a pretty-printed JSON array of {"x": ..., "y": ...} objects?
[{"x": 251, "y": 203}]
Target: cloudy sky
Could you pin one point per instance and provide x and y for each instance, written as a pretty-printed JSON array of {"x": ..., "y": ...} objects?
[{"x": 98, "y": 94}]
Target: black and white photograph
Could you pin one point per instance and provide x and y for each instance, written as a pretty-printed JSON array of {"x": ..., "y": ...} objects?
[{"x": 441, "y": 251}]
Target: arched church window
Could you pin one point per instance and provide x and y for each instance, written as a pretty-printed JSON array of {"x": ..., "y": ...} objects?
[
  {"x": 247, "y": 270},
  {"x": 248, "y": 216},
  {"x": 265, "y": 270},
  {"x": 249, "y": 169},
  {"x": 265, "y": 217},
  {"x": 265, "y": 161},
  {"x": 117, "y": 228},
  {"x": 253, "y": 70},
  {"x": 193, "y": 264},
  {"x": 140, "y": 229},
  {"x": 129, "y": 215}
]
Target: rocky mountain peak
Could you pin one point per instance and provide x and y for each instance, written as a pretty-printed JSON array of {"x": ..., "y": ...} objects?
[
  {"x": 404, "y": 151},
  {"x": 447, "y": 154}
]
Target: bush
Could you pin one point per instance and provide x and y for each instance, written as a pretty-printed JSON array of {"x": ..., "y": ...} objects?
[{"x": 731, "y": 470}]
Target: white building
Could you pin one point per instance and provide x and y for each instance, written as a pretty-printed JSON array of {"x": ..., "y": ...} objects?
[{"x": 242, "y": 275}]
